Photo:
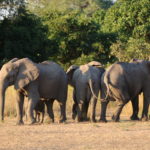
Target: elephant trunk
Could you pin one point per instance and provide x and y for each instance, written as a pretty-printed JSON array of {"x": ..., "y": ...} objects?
[{"x": 2, "y": 101}]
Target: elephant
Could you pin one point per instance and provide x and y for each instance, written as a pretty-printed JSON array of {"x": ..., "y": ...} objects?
[
  {"x": 122, "y": 82},
  {"x": 135, "y": 101},
  {"x": 45, "y": 80},
  {"x": 85, "y": 80},
  {"x": 40, "y": 111}
]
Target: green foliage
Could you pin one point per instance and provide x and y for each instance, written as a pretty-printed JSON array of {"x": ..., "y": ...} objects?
[
  {"x": 129, "y": 18},
  {"x": 134, "y": 48},
  {"x": 76, "y": 31},
  {"x": 23, "y": 36},
  {"x": 74, "y": 34},
  {"x": 105, "y": 4}
]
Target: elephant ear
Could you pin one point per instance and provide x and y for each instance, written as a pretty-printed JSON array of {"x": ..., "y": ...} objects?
[
  {"x": 70, "y": 72},
  {"x": 27, "y": 72}
]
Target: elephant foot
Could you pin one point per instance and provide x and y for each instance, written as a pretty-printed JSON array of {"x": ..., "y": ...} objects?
[
  {"x": 73, "y": 116},
  {"x": 115, "y": 118},
  {"x": 33, "y": 121},
  {"x": 102, "y": 120},
  {"x": 62, "y": 120},
  {"x": 134, "y": 117},
  {"x": 144, "y": 118},
  {"x": 93, "y": 120},
  {"x": 49, "y": 120},
  {"x": 78, "y": 119},
  {"x": 20, "y": 122},
  {"x": 37, "y": 121},
  {"x": 41, "y": 122},
  {"x": 86, "y": 119}
]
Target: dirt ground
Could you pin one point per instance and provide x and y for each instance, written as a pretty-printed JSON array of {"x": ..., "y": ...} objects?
[{"x": 125, "y": 135}]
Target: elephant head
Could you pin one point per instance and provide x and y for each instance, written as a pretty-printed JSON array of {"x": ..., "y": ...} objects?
[
  {"x": 97, "y": 65},
  {"x": 70, "y": 72},
  {"x": 17, "y": 72}
]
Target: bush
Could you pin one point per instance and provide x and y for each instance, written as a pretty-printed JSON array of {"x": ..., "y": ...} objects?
[{"x": 134, "y": 48}]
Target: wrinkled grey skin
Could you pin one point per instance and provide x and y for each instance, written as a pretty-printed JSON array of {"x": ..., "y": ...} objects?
[
  {"x": 44, "y": 80},
  {"x": 123, "y": 82},
  {"x": 85, "y": 80}
]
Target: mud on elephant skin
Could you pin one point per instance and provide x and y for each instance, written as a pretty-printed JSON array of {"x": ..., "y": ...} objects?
[
  {"x": 123, "y": 82},
  {"x": 44, "y": 80},
  {"x": 85, "y": 80}
]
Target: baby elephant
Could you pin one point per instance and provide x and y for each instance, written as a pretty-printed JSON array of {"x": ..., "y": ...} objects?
[{"x": 40, "y": 110}]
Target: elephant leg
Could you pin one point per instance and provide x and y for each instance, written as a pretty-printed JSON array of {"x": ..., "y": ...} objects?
[
  {"x": 32, "y": 104},
  {"x": 39, "y": 116},
  {"x": 74, "y": 111},
  {"x": 93, "y": 107},
  {"x": 49, "y": 105},
  {"x": 85, "y": 110},
  {"x": 36, "y": 116},
  {"x": 33, "y": 99},
  {"x": 135, "y": 106},
  {"x": 145, "y": 109},
  {"x": 79, "y": 112},
  {"x": 19, "y": 107},
  {"x": 62, "y": 112},
  {"x": 74, "y": 107},
  {"x": 116, "y": 116},
  {"x": 42, "y": 117},
  {"x": 103, "y": 111}
]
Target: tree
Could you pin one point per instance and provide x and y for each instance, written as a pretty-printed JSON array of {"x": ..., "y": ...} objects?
[
  {"x": 23, "y": 36},
  {"x": 130, "y": 20},
  {"x": 75, "y": 30},
  {"x": 134, "y": 48}
]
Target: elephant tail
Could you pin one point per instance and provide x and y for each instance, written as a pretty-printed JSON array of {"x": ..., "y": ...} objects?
[
  {"x": 91, "y": 88},
  {"x": 109, "y": 89},
  {"x": 107, "y": 82}
]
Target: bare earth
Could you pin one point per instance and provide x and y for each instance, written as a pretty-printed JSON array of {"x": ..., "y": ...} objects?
[{"x": 125, "y": 135}]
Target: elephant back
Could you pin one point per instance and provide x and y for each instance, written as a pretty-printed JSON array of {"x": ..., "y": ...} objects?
[{"x": 52, "y": 80}]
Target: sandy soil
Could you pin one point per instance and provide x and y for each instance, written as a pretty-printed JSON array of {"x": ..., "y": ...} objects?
[{"x": 125, "y": 135}]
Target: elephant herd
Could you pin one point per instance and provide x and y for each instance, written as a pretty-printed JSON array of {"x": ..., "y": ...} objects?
[{"x": 42, "y": 83}]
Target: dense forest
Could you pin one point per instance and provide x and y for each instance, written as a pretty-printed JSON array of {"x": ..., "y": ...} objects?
[{"x": 75, "y": 31}]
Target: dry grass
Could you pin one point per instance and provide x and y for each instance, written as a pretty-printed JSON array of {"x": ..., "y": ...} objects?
[
  {"x": 133, "y": 135},
  {"x": 75, "y": 136}
]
